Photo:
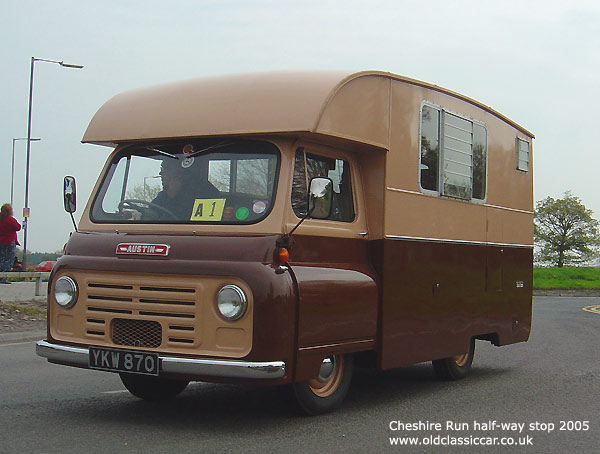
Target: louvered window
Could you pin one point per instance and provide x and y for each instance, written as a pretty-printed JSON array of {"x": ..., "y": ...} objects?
[{"x": 453, "y": 154}]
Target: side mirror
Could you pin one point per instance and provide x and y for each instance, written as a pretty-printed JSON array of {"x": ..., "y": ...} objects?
[
  {"x": 320, "y": 197},
  {"x": 70, "y": 195}
]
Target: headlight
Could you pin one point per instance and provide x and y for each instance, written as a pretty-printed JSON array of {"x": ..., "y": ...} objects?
[
  {"x": 232, "y": 302},
  {"x": 65, "y": 291}
]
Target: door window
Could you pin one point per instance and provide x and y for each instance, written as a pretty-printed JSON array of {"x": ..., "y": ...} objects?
[{"x": 308, "y": 166}]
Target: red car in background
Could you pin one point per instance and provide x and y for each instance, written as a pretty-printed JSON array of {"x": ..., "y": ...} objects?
[
  {"x": 45, "y": 266},
  {"x": 17, "y": 266}
]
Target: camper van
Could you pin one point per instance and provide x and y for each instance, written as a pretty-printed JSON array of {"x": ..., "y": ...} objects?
[{"x": 281, "y": 228}]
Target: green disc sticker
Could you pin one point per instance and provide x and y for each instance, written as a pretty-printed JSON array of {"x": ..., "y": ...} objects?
[{"x": 242, "y": 213}]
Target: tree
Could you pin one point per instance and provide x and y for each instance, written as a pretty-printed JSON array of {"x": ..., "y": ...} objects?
[
  {"x": 252, "y": 176},
  {"x": 145, "y": 192},
  {"x": 565, "y": 231}
]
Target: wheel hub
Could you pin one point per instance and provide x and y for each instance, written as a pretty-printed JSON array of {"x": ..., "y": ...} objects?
[
  {"x": 329, "y": 378},
  {"x": 461, "y": 360},
  {"x": 327, "y": 369}
]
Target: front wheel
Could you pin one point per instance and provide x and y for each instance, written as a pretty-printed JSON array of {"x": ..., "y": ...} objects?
[
  {"x": 455, "y": 367},
  {"x": 152, "y": 388},
  {"x": 328, "y": 390}
]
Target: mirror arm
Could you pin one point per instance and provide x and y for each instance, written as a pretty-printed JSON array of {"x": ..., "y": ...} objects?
[
  {"x": 74, "y": 223},
  {"x": 306, "y": 216}
]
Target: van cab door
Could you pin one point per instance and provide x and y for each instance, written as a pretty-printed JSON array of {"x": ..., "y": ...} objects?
[{"x": 329, "y": 259}]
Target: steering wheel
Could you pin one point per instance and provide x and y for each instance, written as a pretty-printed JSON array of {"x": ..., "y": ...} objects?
[{"x": 143, "y": 206}]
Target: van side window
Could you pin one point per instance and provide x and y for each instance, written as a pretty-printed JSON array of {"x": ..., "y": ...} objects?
[
  {"x": 308, "y": 166},
  {"x": 457, "y": 163},
  {"x": 430, "y": 150},
  {"x": 453, "y": 155},
  {"x": 522, "y": 155},
  {"x": 299, "y": 185},
  {"x": 479, "y": 161}
]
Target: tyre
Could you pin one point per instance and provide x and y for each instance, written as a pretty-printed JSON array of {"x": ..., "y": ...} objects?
[
  {"x": 327, "y": 391},
  {"x": 456, "y": 367},
  {"x": 152, "y": 388}
]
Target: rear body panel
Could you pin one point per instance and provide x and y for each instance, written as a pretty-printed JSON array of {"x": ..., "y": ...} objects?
[{"x": 436, "y": 296}]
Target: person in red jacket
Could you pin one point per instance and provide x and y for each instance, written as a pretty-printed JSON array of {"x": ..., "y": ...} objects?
[{"x": 9, "y": 227}]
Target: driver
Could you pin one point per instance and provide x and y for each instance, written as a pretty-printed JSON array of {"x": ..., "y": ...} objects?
[{"x": 181, "y": 186}]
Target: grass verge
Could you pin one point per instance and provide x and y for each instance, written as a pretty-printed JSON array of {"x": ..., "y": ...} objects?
[
  {"x": 566, "y": 278},
  {"x": 28, "y": 310}
]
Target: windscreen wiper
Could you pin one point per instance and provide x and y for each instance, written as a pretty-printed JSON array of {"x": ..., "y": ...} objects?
[
  {"x": 164, "y": 153},
  {"x": 192, "y": 154},
  {"x": 212, "y": 147}
]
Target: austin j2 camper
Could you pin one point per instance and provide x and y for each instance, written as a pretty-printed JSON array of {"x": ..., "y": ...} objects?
[{"x": 280, "y": 228}]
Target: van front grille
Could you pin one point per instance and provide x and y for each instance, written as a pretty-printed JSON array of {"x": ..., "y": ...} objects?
[
  {"x": 153, "y": 309},
  {"x": 136, "y": 333},
  {"x": 170, "y": 313}
]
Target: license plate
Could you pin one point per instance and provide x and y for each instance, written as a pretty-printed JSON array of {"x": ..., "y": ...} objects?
[{"x": 133, "y": 362}]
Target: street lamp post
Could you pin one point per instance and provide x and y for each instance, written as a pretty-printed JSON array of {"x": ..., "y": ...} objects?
[
  {"x": 12, "y": 171},
  {"x": 26, "y": 208}
]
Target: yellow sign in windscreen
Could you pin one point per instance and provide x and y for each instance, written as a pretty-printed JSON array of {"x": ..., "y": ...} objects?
[{"x": 208, "y": 210}]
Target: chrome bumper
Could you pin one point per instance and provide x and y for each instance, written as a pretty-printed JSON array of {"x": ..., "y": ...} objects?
[{"x": 75, "y": 356}]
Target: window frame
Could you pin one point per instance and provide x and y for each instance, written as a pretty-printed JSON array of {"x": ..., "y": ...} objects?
[
  {"x": 124, "y": 151},
  {"x": 440, "y": 131},
  {"x": 518, "y": 142},
  {"x": 425, "y": 190}
]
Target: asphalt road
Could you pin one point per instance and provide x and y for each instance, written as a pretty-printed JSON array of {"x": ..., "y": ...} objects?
[{"x": 554, "y": 377}]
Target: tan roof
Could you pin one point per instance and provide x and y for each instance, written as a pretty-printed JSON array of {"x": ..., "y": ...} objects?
[{"x": 354, "y": 106}]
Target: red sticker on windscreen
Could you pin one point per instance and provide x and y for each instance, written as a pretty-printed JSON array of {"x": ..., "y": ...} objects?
[{"x": 188, "y": 160}]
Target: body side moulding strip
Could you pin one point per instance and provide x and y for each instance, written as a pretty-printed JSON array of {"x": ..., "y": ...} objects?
[
  {"x": 487, "y": 205},
  {"x": 445, "y": 240}
]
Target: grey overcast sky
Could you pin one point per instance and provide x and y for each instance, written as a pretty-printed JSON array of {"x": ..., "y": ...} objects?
[{"x": 536, "y": 62}]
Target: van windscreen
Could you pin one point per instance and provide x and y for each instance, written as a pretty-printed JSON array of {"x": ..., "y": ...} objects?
[{"x": 192, "y": 182}]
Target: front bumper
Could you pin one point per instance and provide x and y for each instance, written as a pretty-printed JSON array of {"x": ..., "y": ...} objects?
[{"x": 171, "y": 365}]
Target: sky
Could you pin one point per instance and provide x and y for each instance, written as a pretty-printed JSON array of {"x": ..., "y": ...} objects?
[{"x": 537, "y": 62}]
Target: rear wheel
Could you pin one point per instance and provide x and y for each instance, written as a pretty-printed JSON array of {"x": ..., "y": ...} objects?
[
  {"x": 152, "y": 388},
  {"x": 455, "y": 367},
  {"x": 328, "y": 390}
]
